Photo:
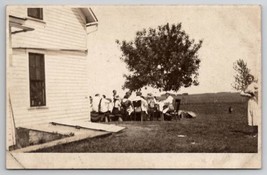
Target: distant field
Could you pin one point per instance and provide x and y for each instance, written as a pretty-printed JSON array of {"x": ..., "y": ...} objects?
[
  {"x": 222, "y": 97},
  {"x": 213, "y": 103},
  {"x": 213, "y": 131},
  {"x": 216, "y": 108}
]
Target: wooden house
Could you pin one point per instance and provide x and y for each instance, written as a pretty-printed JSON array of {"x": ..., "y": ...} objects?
[{"x": 47, "y": 74}]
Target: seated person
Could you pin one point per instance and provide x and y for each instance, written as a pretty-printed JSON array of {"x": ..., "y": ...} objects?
[
  {"x": 104, "y": 106},
  {"x": 126, "y": 107},
  {"x": 95, "y": 103},
  {"x": 166, "y": 107},
  {"x": 167, "y": 104},
  {"x": 144, "y": 104},
  {"x": 100, "y": 109}
]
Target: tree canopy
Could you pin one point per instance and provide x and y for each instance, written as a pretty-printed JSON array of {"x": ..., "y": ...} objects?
[
  {"x": 164, "y": 58},
  {"x": 240, "y": 78}
]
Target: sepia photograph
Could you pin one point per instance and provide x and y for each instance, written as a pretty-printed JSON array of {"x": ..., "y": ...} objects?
[{"x": 133, "y": 86}]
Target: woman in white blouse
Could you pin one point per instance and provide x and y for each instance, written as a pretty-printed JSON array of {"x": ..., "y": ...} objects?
[{"x": 253, "y": 111}]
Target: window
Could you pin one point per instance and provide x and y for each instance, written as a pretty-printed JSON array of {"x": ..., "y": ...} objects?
[
  {"x": 35, "y": 13},
  {"x": 37, "y": 79}
]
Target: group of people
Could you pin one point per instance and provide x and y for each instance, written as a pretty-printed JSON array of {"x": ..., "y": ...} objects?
[{"x": 130, "y": 107}]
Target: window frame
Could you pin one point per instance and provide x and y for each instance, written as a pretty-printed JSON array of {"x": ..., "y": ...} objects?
[
  {"x": 39, "y": 78},
  {"x": 40, "y": 16}
]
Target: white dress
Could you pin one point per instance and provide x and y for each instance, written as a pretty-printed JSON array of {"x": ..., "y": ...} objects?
[
  {"x": 253, "y": 109},
  {"x": 144, "y": 105},
  {"x": 168, "y": 102}
]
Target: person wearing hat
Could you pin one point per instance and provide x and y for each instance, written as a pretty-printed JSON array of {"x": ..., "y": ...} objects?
[{"x": 251, "y": 92}]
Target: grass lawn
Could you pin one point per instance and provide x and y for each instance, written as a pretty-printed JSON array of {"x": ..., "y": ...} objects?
[{"x": 209, "y": 133}]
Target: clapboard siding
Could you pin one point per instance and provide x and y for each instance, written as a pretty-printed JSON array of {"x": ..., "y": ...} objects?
[
  {"x": 66, "y": 73},
  {"x": 63, "y": 28},
  {"x": 66, "y": 87},
  {"x": 18, "y": 11},
  {"x": 18, "y": 87}
]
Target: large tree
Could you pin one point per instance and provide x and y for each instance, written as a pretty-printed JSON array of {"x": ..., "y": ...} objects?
[
  {"x": 164, "y": 58},
  {"x": 240, "y": 77}
]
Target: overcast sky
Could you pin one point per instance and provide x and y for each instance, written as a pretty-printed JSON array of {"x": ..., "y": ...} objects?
[{"x": 228, "y": 33}]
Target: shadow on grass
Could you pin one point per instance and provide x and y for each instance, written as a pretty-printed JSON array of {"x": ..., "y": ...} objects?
[{"x": 241, "y": 132}]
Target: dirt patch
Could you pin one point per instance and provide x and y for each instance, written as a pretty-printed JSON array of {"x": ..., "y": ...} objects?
[{"x": 26, "y": 137}]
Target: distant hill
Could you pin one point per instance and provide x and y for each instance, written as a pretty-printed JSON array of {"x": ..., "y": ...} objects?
[{"x": 222, "y": 97}]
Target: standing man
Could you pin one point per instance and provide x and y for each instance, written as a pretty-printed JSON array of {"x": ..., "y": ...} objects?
[
  {"x": 117, "y": 108},
  {"x": 114, "y": 94}
]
